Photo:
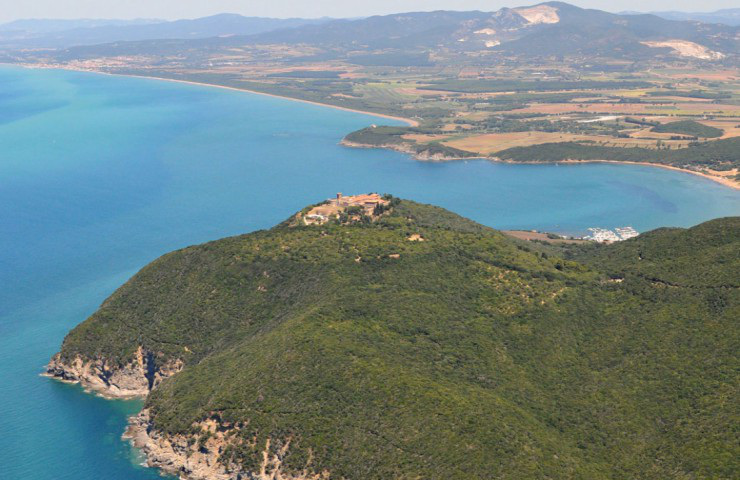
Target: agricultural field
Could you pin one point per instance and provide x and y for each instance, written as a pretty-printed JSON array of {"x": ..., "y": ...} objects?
[
  {"x": 491, "y": 143},
  {"x": 467, "y": 116},
  {"x": 478, "y": 105},
  {"x": 649, "y": 117}
]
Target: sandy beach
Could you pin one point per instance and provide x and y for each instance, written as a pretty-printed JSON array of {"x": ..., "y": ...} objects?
[
  {"x": 408, "y": 121},
  {"x": 728, "y": 182}
]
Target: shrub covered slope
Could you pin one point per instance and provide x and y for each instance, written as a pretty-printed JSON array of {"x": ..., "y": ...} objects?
[{"x": 464, "y": 354}]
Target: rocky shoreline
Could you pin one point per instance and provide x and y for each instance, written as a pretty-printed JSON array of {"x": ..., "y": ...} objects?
[
  {"x": 177, "y": 455},
  {"x": 196, "y": 456},
  {"x": 135, "y": 379}
]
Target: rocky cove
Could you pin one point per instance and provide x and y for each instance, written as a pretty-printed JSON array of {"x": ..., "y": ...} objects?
[
  {"x": 197, "y": 456},
  {"x": 201, "y": 455},
  {"x": 134, "y": 379}
]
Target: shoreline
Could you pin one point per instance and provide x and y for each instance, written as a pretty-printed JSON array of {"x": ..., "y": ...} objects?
[
  {"x": 408, "y": 121},
  {"x": 727, "y": 182},
  {"x": 92, "y": 389},
  {"x": 136, "y": 379}
]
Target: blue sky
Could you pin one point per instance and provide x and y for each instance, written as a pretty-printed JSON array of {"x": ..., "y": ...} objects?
[{"x": 172, "y": 9}]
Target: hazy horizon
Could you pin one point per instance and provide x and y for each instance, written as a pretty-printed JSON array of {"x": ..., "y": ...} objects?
[{"x": 182, "y": 9}]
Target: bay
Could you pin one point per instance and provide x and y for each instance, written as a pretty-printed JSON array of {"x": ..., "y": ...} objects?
[{"x": 100, "y": 175}]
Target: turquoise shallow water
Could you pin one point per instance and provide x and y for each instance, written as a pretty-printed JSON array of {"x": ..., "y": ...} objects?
[{"x": 100, "y": 175}]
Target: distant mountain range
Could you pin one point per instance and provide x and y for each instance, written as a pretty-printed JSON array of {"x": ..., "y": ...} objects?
[
  {"x": 68, "y": 33},
  {"x": 45, "y": 26},
  {"x": 728, "y": 16},
  {"x": 551, "y": 29}
]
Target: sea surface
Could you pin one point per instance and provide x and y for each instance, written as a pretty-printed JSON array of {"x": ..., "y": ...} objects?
[{"x": 100, "y": 175}]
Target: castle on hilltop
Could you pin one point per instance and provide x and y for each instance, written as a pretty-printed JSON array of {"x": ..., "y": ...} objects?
[{"x": 366, "y": 204}]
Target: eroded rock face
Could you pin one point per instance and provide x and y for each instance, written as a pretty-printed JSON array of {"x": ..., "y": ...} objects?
[
  {"x": 198, "y": 456},
  {"x": 135, "y": 379},
  {"x": 539, "y": 14},
  {"x": 685, "y": 48}
]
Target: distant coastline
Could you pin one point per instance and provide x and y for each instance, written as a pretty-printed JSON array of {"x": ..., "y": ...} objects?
[
  {"x": 410, "y": 122},
  {"x": 727, "y": 182}
]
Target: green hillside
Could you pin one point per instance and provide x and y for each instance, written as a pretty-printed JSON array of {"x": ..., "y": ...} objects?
[
  {"x": 466, "y": 355},
  {"x": 716, "y": 154},
  {"x": 689, "y": 127}
]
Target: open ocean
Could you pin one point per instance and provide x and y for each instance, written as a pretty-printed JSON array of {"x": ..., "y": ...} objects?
[{"x": 100, "y": 175}]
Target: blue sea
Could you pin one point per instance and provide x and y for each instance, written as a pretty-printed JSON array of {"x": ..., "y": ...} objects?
[{"x": 99, "y": 175}]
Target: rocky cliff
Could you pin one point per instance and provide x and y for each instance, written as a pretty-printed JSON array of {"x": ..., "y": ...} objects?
[
  {"x": 200, "y": 455},
  {"x": 197, "y": 455},
  {"x": 134, "y": 379}
]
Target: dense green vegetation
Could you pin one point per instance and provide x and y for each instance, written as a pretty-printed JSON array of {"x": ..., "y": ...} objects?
[
  {"x": 378, "y": 136},
  {"x": 688, "y": 127},
  {"x": 465, "y": 355},
  {"x": 691, "y": 94},
  {"x": 644, "y": 122},
  {"x": 717, "y": 154},
  {"x": 393, "y": 137},
  {"x": 702, "y": 257}
]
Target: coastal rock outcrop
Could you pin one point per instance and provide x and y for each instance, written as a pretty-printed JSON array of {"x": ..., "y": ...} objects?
[
  {"x": 134, "y": 379},
  {"x": 200, "y": 455}
]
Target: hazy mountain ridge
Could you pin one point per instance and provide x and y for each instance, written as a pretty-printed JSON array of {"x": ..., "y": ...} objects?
[
  {"x": 32, "y": 26},
  {"x": 552, "y": 28},
  {"x": 27, "y": 33},
  {"x": 547, "y": 29},
  {"x": 727, "y": 16}
]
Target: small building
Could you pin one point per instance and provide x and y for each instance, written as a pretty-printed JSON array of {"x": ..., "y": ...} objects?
[{"x": 315, "y": 218}]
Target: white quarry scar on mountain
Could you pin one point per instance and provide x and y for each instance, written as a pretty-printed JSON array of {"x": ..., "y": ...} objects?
[
  {"x": 539, "y": 14},
  {"x": 485, "y": 31},
  {"x": 685, "y": 48}
]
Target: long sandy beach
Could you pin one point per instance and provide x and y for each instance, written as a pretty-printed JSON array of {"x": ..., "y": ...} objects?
[{"x": 728, "y": 182}]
